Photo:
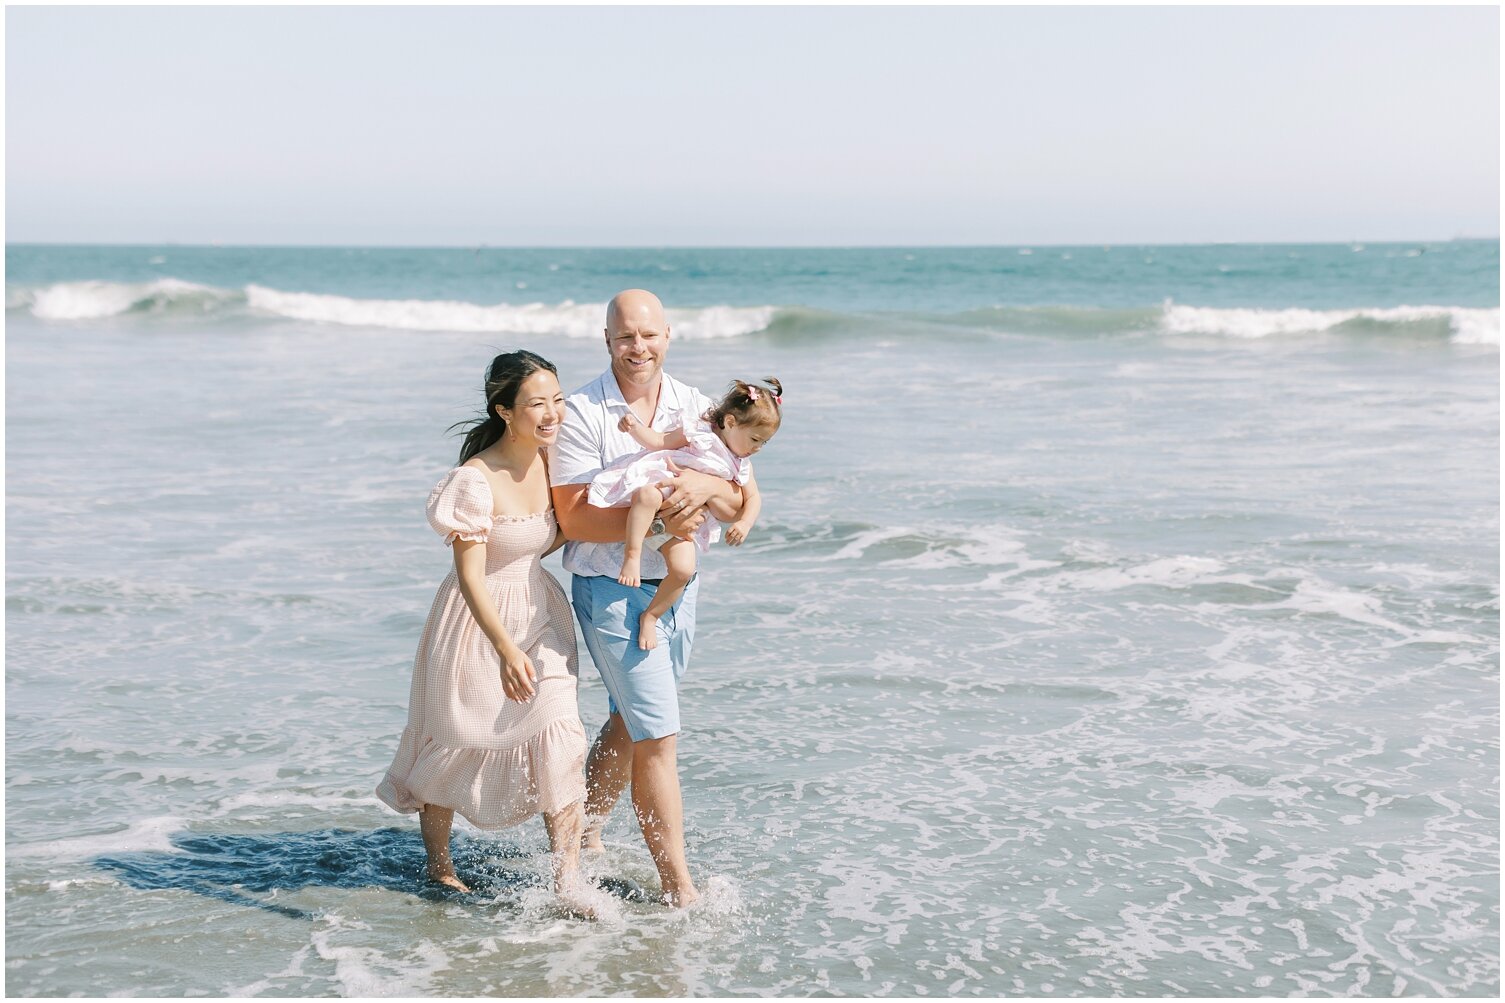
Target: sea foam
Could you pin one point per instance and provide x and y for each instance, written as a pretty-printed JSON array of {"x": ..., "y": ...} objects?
[
  {"x": 566, "y": 319},
  {"x": 94, "y": 299},
  {"x": 1466, "y": 325}
]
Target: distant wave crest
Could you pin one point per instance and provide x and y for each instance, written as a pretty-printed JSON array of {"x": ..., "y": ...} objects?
[
  {"x": 1461, "y": 325},
  {"x": 95, "y": 299},
  {"x": 91, "y": 300},
  {"x": 1464, "y": 325}
]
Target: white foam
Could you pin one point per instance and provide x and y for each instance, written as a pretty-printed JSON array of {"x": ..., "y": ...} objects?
[
  {"x": 93, "y": 299},
  {"x": 151, "y": 834},
  {"x": 860, "y": 543},
  {"x": 566, "y": 319},
  {"x": 369, "y": 971},
  {"x": 1471, "y": 326},
  {"x": 1170, "y": 572}
]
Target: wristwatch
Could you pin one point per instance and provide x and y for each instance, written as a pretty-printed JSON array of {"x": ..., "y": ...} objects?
[{"x": 655, "y": 527}]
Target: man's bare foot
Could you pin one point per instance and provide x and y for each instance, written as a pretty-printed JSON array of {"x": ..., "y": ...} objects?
[
  {"x": 647, "y": 631},
  {"x": 632, "y": 571},
  {"x": 448, "y": 879}
]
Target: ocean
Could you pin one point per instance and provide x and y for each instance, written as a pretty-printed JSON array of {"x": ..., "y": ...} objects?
[{"x": 1120, "y": 621}]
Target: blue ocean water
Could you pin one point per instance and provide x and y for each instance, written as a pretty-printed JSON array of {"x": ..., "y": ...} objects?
[{"x": 1121, "y": 621}]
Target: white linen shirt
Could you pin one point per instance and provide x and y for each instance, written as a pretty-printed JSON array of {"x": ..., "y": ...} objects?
[{"x": 589, "y": 441}]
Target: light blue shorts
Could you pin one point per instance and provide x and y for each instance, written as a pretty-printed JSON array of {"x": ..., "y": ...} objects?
[{"x": 643, "y": 686}]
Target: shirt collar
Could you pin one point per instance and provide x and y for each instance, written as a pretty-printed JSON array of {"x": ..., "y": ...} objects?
[{"x": 668, "y": 393}]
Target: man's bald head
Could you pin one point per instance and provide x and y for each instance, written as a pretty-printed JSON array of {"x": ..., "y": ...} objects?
[
  {"x": 637, "y": 336},
  {"x": 635, "y": 307}
]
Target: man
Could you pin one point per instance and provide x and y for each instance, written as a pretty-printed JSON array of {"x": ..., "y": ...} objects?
[{"x": 637, "y": 744}]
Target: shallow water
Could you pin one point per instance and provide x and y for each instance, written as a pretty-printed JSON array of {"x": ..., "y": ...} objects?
[{"x": 1065, "y": 661}]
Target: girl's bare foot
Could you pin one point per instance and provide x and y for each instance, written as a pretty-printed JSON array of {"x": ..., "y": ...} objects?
[
  {"x": 648, "y": 631},
  {"x": 632, "y": 571}
]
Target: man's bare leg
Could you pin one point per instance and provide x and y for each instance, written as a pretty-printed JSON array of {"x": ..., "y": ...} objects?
[
  {"x": 608, "y": 771},
  {"x": 660, "y": 811},
  {"x": 434, "y": 822}
]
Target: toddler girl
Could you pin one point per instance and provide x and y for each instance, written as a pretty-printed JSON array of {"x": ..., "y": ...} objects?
[{"x": 719, "y": 442}]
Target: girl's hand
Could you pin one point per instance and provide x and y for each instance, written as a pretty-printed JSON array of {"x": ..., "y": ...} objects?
[
  {"x": 628, "y": 420},
  {"x": 736, "y": 533},
  {"x": 518, "y": 675}
]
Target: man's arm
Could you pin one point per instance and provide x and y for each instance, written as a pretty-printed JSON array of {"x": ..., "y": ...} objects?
[{"x": 582, "y": 521}]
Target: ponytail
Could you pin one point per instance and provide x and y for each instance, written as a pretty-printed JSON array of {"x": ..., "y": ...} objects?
[
  {"x": 750, "y": 404},
  {"x": 483, "y": 432}
]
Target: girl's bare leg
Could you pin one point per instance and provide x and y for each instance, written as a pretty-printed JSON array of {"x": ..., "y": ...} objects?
[
  {"x": 645, "y": 503},
  {"x": 679, "y": 555},
  {"x": 435, "y": 822}
]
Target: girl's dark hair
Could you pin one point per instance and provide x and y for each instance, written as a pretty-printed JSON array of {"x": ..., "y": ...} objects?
[
  {"x": 503, "y": 378},
  {"x": 750, "y": 404}
]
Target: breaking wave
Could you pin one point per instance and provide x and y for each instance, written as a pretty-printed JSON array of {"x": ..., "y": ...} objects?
[
  {"x": 94, "y": 299},
  {"x": 1461, "y": 325}
]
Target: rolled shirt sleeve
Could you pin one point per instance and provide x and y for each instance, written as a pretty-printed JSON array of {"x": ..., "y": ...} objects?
[{"x": 575, "y": 456}]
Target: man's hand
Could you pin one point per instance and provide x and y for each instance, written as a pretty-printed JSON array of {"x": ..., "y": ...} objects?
[
  {"x": 685, "y": 523},
  {"x": 692, "y": 489}
]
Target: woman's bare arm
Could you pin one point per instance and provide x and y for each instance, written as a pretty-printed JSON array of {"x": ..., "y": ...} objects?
[{"x": 518, "y": 674}]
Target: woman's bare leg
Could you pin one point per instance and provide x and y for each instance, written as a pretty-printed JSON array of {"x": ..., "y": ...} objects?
[
  {"x": 563, "y": 827},
  {"x": 679, "y": 555},
  {"x": 645, "y": 503},
  {"x": 435, "y": 822}
]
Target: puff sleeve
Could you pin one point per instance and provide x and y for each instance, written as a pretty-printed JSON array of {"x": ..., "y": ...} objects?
[
  {"x": 459, "y": 507},
  {"x": 702, "y": 439}
]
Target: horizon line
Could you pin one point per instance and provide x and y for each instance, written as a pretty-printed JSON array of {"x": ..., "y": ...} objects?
[{"x": 485, "y": 246}]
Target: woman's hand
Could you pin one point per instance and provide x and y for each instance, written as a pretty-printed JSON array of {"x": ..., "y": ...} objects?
[{"x": 518, "y": 675}]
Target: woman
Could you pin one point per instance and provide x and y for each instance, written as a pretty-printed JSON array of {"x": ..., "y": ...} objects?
[{"x": 493, "y": 727}]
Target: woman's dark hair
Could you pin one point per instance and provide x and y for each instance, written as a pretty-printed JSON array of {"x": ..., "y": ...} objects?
[
  {"x": 750, "y": 404},
  {"x": 503, "y": 378}
]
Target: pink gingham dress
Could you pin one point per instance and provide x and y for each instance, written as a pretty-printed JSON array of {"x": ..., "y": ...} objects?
[{"x": 466, "y": 746}]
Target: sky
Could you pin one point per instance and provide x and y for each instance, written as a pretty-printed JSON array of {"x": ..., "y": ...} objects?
[{"x": 789, "y": 126}]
